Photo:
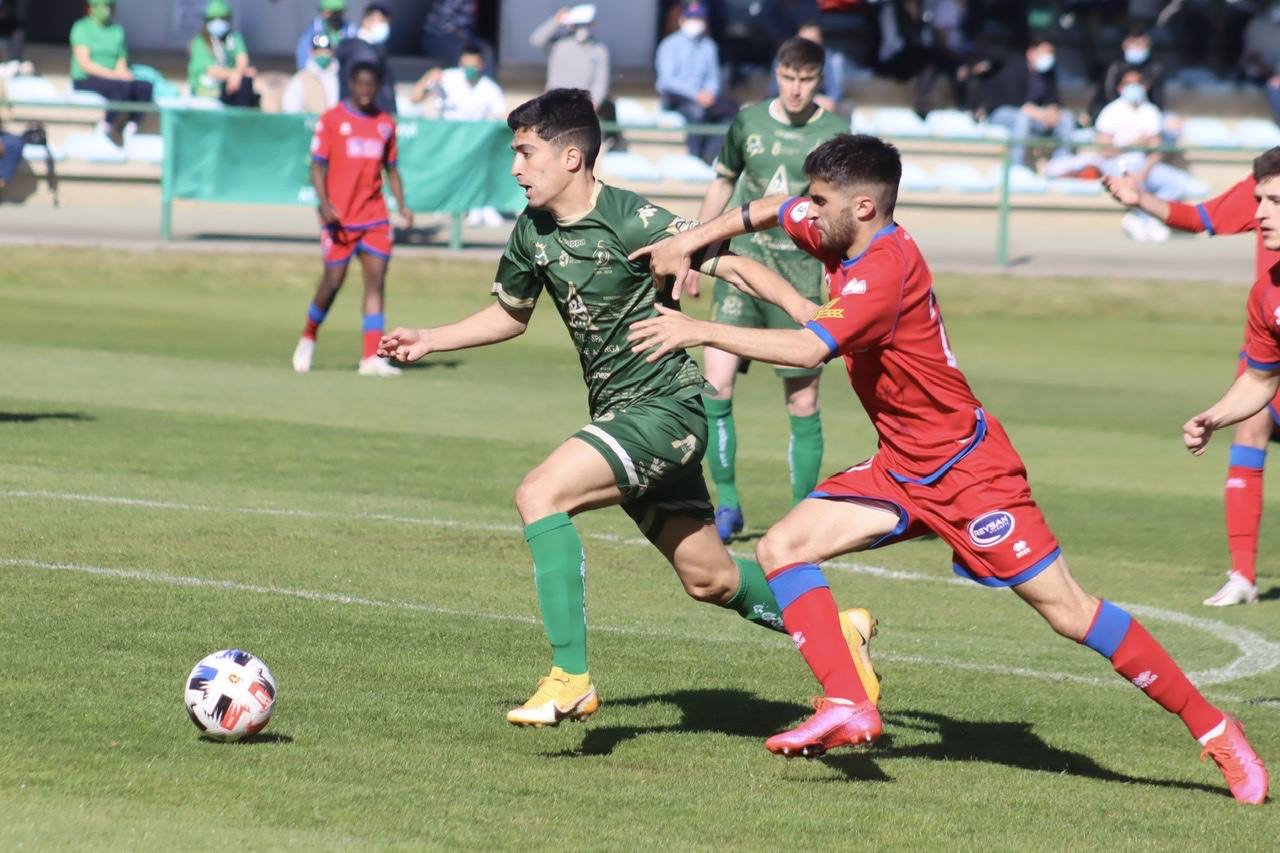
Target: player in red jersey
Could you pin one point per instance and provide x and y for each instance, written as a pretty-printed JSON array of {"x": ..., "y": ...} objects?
[
  {"x": 353, "y": 144},
  {"x": 1233, "y": 212},
  {"x": 944, "y": 464}
]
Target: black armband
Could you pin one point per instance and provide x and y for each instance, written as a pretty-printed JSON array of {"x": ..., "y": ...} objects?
[{"x": 746, "y": 217}]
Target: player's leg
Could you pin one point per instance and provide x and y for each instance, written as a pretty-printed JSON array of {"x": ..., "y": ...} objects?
[
  {"x": 335, "y": 272},
  {"x": 1242, "y": 503},
  {"x": 721, "y": 369},
  {"x": 804, "y": 451},
  {"x": 1116, "y": 635},
  {"x": 575, "y": 477},
  {"x": 374, "y": 249}
]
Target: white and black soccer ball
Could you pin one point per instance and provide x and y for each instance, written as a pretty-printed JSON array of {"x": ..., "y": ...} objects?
[{"x": 230, "y": 694}]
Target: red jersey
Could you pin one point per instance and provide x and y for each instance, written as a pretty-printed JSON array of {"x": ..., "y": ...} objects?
[
  {"x": 883, "y": 318},
  {"x": 1233, "y": 212},
  {"x": 1262, "y": 322},
  {"x": 356, "y": 147}
]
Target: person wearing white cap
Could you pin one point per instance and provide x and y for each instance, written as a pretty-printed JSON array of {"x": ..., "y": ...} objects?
[{"x": 575, "y": 60}]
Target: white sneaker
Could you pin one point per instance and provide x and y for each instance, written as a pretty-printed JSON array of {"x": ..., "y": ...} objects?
[
  {"x": 491, "y": 217},
  {"x": 1157, "y": 231},
  {"x": 1135, "y": 225},
  {"x": 302, "y": 355},
  {"x": 1237, "y": 590},
  {"x": 374, "y": 366}
]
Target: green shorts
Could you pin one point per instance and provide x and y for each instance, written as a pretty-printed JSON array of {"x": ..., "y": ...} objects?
[
  {"x": 734, "y": 308},
  {"x": 655, "y": 449}
]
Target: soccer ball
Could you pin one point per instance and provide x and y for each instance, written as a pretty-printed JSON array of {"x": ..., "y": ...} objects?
[{"x": 230, "y": 694}]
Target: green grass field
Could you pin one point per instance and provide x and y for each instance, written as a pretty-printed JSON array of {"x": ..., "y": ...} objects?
[{"x": 170, "y": 487}]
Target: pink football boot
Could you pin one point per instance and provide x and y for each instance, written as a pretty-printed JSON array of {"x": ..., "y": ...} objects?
[
  {"x": 1244, "y": 771},
  {"x": 836, "y": 722}
]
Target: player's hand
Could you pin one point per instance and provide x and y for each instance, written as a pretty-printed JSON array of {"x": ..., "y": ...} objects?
[
  {"x": 669, "y": 258},
  {"x": 406, "y": 218},
  {"x": 1125, "y": 189},
  {"x": 670, "y": 330},
  {"x": 1196, "y": 433},
  {"x": 692, "y": 285},
  {"x": 328, "y": 214},
  {"x": 403, "y": 345}
]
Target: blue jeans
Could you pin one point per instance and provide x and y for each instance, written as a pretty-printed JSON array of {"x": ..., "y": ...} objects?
[
  {"x": 1273, "y": 95},
  {"x": 11, "y": 157},
  {"x": 720, "y": 112},
  {"x": 1022, "y": 127}
]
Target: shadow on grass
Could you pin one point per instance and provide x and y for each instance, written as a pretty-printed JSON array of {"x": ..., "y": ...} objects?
[
  {"x": 742, "y": 714},
  {"x": 1270, "y": 595},
  {"x": 33, "y": 417},
  {"x": 432, "y": 364},
  {"x": 260, "y": 739}
]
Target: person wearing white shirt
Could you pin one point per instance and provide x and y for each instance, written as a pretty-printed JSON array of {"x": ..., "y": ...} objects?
[
  {"x": 1133, "y": 121},
  {"x": 465, "y": 93}
]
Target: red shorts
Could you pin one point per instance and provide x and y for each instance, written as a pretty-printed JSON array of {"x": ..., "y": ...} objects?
[
  {"x": 339, "y": 243},
  {"x": 1273, "y": 407},
  {"x": 981, "y": 507}
]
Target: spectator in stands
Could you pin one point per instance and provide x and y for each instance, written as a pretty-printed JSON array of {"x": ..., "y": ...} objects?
[
  {"x": 688, "y": 66},
  {"x": 10, "y": 156},
  {"x": 332, "y": 22},
  {"x": 1261, "y": 60},
  {"x": 100, "y": 63},
  {"x": 832, "y": 86},
  {"x": 1136, "y": 49},
  {"x": 14, "y": 36},
  {"x": 219, "y": 62},
  {"x": 948, "y": 51},
  {"x": 450, "y": 26},
  {"x": 369, "y": 47},
  {"x": 1131, "y": 120},
  {"x": 1019, "y": 91},
  {"x": 575, "y": 60},
  {"x": 465, "y": 93},
  {"x": 314, "y": 89}
]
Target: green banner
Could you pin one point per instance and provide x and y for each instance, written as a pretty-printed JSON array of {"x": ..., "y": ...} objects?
[{"x": 248, "y": 157}]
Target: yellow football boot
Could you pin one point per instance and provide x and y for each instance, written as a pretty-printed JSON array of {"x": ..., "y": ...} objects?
[
  {"x": 560, "y": 696},
  {"x": 858, "y": 627}
]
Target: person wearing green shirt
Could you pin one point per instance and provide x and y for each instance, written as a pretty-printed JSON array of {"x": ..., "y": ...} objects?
[
  {"x": 763, "y": 155},
  {"x": 100, "y": 63},
  {"x": 219, "y": 65}
]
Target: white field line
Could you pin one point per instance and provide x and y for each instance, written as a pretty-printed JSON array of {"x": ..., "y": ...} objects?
[{"x": 1257, "y": 654}]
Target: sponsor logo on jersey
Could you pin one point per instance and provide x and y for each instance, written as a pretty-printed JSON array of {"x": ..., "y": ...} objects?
[
  {"x": 646, "y": 213},
  {"x": 991, "y": 528},
  {"x": 363, "y": 148},
  {"x": 1021, "y": 548},
  {"x": 829, "y": 311},
  {"x": 564, "y": 258},
  {"x": 799, "y": 212},
  {"x": 853, "y": 287},
  {"x": 1145, "y": 679},
  {"x": 755, "y": 145},
  {"x": 574, "y": 244}
]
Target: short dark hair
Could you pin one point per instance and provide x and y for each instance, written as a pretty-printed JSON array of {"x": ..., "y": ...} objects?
[
  {"x": 1039, "y": 37},
  {"x": 858, "y": 160},
  {"x": 472, "y": 48},
  {"x": 1267, "y": 164},
  {"x": 801, "y": 53},
  {"x": 372, "y": 67},
  {"x": 562, "y": 117},
  {"x": 381, "y": 8}
]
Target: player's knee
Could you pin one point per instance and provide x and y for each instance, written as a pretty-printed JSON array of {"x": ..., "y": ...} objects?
[
  {"x": 1254, "y": 431},
  {"x": 778, "y": 547},
  {"x": 1071, "y": 618},
  {"x": 710, "y": 588},
  {"x": 534, "y": 500}
]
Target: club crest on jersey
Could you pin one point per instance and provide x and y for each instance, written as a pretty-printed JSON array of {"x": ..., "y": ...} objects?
[
  {"x": 384, "y": 130},
  {"x": 991, "y": 528},
  {"x": 799, "y": 212},
  {"x": 602, "y": 255},
  {"x": 853, "y": 287},
  {"x": 755, "y": 145}
]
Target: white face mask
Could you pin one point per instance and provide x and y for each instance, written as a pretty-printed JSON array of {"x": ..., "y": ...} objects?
[
  {"x": 582, "y": 33},
  {"x": 1136, "y": 55},
  {"x": 377, "y": 33},
  {"x": 693, "y": 28},
  {"x": 219, "y": 27},
  {"x": 1044, "y": 62},
  {"x": 1134, "y": 93}
]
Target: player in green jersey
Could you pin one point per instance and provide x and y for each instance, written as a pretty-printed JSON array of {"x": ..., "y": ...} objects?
[
  {"x": 643, "y": 448},
  {"x": 763, "y": 155}
]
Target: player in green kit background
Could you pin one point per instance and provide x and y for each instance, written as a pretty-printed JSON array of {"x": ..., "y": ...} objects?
[
  {"x": 763, "y": 155},
  {"x": 643, "y": 448}
]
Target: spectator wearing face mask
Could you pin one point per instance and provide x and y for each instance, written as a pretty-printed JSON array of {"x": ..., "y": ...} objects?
[
  {"x": 331, "y": 22},
  {"x": 314, "y": 89},
  {"x": 575, "y": 60},
  {"x": 688, "y": 66},
  {"x": 100, "y": 63},
  {"x": 219, "y": 63},
  {"x": 1135, "y": 53},
  {"x": 1131, "y": 120},
  {"x": 1019, "y": 91},
  {"x": 1261, "y": 60},
  {"x": 369, "y": 47}
]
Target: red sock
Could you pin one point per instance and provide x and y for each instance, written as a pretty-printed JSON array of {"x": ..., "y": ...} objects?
[
  {"x": 1242, "y": 497},
  {"x": 315, "y": 316},
  {"x": 309, "y": 330},
  {"x": 810, "y": 617},
  {"x": 371, "y": 338},
  {"x": 1144, "y": 662}
]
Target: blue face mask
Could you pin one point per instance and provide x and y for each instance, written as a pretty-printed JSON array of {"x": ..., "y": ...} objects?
[
  {"x": 1044, "y": 63},
  {"x": 1134, "y": 93},
  {"x": 219, "y": 27},
  {"x": 1136, "y": 55}
]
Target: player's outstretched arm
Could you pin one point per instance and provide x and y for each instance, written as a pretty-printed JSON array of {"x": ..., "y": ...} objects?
[
  {"x": 674, "y": 257},
  {"x": 755, "y": 279},
  {"x": 1247, "y": 396},
  {"x": 491, "y": 325},
  {"x": 1127, "y": 189},
  {"x": 672, "y": 330}
]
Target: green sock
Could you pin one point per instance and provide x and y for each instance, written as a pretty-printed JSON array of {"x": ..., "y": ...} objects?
[
  {"x": 805, "y": 454},
  {"x": 754, "y": 600},
  {"x": 722, "y": 439},
  {"x": 559, "y": 570}
]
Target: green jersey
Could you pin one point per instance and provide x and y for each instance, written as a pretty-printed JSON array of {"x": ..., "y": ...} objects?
[
  {"x": 765, "y": 154},
  {"x": 582, "y": 264}
]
